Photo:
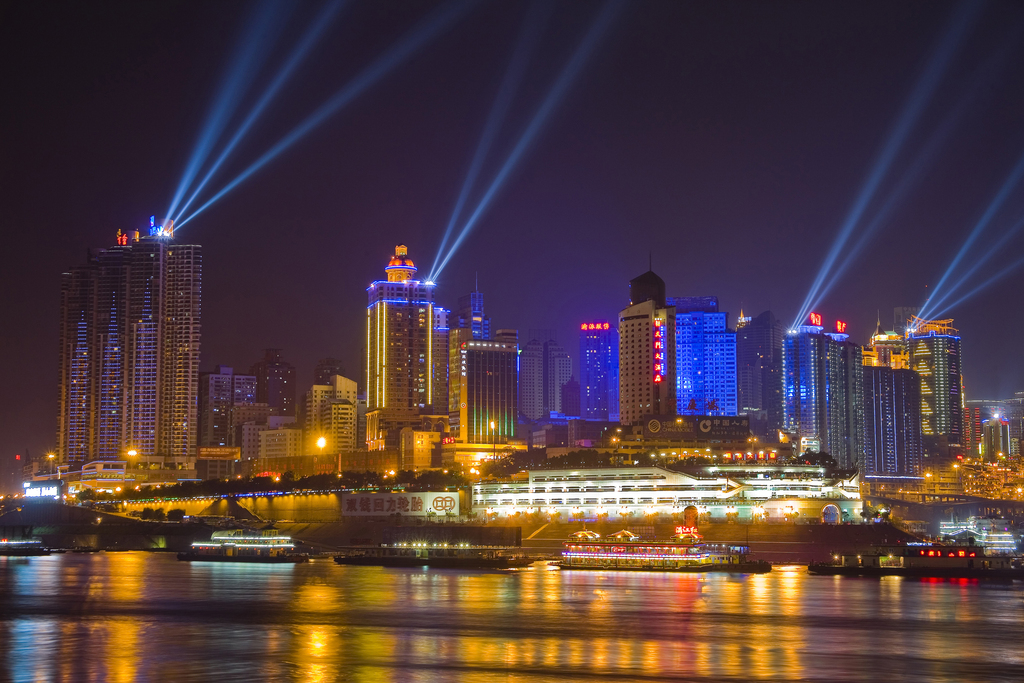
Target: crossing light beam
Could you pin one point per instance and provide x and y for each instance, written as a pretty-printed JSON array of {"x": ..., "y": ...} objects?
[
  {"x": 555, "y": 94},
  {"x": 413, "y": 41}
]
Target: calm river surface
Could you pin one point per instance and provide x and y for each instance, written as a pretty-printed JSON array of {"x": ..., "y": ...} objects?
[{"x": 146, "y": 616}]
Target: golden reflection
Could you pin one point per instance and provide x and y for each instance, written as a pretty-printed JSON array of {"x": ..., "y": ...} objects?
[
  {"x": 122, "y": 650},
  {"x": 316, "y": 598}
]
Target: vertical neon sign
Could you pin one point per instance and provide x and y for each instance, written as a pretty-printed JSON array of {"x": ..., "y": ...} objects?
[{"x": 659, "y": 350}]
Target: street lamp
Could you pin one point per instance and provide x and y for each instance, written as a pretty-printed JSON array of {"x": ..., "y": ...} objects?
[
  {"x": 50, "y": 457},
  {"x": 494, "y": 442}
]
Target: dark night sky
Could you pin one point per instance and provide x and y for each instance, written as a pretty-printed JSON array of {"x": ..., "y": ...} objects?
[{"x": 729, "y": 139}]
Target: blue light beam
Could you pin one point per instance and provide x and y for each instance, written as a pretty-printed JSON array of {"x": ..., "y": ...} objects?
[
  {"x": 912, "y": 175},
  {"x": 252, "y": 48},
  {"x": 554, "y": 96},
  {"x": 999, "y": 275},
  {"x": 533, "y": 25},
  {"x": 994, "y": 250},
  {"x": 309, "y": 40},
  {"x": 979, "y": 227},
  {"x": 413, "y": 41},
  {"x": 956, "y": 28}
]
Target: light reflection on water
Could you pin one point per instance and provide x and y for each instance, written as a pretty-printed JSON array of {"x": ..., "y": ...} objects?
[{"x": 143, "y": 616}]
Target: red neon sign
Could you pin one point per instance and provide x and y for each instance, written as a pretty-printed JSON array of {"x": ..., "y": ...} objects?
[
  {"x": 840, "y": 326},
  {"x": 816, "y": 319},
  {"x": 595, "y": 326}
]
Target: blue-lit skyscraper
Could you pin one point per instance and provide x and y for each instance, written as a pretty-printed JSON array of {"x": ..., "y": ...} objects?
[
  {"x": 823, "y": 392},
  {"x": 599, "y": 371},
  {"x": 471, "y": 315},
  {"x": 705, "y": 357},
  {"x": 892, "y": 422},
  {"x": 129, "y": 350}
]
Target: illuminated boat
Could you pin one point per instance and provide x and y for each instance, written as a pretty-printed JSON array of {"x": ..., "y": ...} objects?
[
  {"x": 923, "y": 560},
  {"x": 684, "y": 552},
  {"x": 443, "y": 547},
  {"x": 22, "y": 547},
  {"x": 244, "y": 545}
]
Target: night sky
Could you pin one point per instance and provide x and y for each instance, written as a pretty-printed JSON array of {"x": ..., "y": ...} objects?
[{"x": 727, "y": 140}]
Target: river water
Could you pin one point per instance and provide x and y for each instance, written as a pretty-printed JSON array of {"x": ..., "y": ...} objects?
[{"x": 145, "y": 616}]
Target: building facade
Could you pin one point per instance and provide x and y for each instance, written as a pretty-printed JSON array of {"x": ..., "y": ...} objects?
[
  {"x": 483, "y": 402},
  {"x": 275, "y": 382},
  {"x": 407, "y": 353},
  {"x": 934, "y": 348},
  {"x": 705, "y": 358},
  {"x": 824, "y": 392},
  {"x": 759, "y": 373},
  {"x": 599, "y": 371},
  {"x": 647, "y": 359},
  {"x": 892, "y": 422},
  {"x": 129, "y": 350},
  {"x": 544, "y": 368},
  {"x": 219, "y": 392}
]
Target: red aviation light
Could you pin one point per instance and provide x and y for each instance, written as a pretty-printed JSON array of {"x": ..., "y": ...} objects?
[{"x": 816, "y": 319}]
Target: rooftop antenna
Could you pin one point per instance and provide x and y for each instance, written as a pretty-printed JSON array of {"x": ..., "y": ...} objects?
[{"x": 476, "y": 281}]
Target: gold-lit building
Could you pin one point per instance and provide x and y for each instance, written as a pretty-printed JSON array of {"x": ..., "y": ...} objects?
[
  {"x": 647, "y": 359},
  {"x": 406, "y": 353},
  {"x": 934, "y": 348}
]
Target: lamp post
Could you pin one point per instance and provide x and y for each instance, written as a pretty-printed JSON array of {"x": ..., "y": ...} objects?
[
  {"x": 50, "y": 457},
  {"x": 494, "y": 442}
]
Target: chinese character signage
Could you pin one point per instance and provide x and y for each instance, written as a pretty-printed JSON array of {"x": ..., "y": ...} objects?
[
  {"x": 697, "y": 427},
  {"x": 405, "y": 504}
]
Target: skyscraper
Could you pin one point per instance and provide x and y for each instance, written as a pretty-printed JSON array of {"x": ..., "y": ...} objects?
[
  {"x": 824, "y": 391},
  {"x": 219, "y": 392},
  {"x": 275, "y": 382},
  {"x": 599, "y": 371},
  {"x": 129, "y": 350},
  {"x": 545, "y": 367},
  {"x": 571, "y": 398},
  {"x": 330, "y": 411},
  {"x": 935, "y": 355},
  {"x": 484, "y": 387},
  {"x": 705, "y": 357},
  {"x": 892, "y": 422},
  {"x": 759, "y": 372},
  {"x": 471, "y": 315},
  {"x": 407, "y": 353},
  {"x": 647, "y": 361},
  {"x": 892, "y": 408}
]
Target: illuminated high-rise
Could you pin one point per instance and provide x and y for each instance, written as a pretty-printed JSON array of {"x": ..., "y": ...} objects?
[
  {"x": 647, "y": 359},
  {"x": 705, "y": 353},
  {"x": 275, "y": 382},
  {"x": 599, "y": 371},
  {"x": 892, "y": 408},
  {"x": 823, "y": 392},
  {"x": 934, "y": 348},
  {"x": 484, "y": 394},
  {"x": 129, "y": 350},
  {"x": 407, "y": 353}
]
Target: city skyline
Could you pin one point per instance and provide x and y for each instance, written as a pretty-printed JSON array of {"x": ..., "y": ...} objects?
[{"x": 279, "y": 273}]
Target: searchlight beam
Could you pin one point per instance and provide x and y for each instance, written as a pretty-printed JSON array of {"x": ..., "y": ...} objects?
[
  {"x": 963, "y": 18},
  {"x": 558, "y": 89},
  {"x": 426, "y": 30}
]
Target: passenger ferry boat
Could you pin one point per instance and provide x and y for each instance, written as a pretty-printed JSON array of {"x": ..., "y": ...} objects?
[
  {"x": 924, "y": 560},
  {"x": 443, "y": 547},
  {"x": 22, "y": 547},
  {"x": 684, "y": 552},
  {"x": 244, "y": 545}
]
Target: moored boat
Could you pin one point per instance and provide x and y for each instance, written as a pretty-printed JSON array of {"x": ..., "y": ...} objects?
[
  {"x": 22, "y": 547},
  {"x": 923, "y": 560},
  {"x": 443, "y": 547},
  {"x": 244, "y": 545},
  {"x": 684, "y": 552}
]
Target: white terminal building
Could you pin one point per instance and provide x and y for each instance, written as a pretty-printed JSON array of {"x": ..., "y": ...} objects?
[{"x": 772, "y": 493}]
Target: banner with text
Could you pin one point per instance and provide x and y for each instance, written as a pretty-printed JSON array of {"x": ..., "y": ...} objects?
[{"x": 421, "y": 504}]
